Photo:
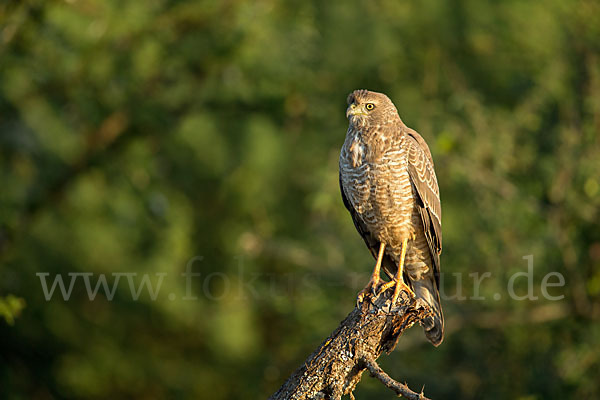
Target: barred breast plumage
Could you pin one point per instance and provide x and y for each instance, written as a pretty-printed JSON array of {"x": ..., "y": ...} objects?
[
  {"x": 389, "y": 186},
  {"x": 375, "y": 179}
]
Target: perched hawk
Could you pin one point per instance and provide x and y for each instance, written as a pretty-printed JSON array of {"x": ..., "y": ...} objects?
[{"x": 389, "y": 186}]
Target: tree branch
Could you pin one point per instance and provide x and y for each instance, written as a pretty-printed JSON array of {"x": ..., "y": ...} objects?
[
  {"x": 336, "y": 366},
  {"x": 399, "y": 388}
]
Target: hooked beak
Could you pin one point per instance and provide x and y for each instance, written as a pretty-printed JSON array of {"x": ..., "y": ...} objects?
[{"x": 353, "y": 110}]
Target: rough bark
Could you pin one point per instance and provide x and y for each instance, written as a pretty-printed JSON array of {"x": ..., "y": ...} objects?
[{"x": 336, "y": 366}]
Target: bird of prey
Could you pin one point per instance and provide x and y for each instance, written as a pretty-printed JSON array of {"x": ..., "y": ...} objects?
[{"x": 389, "y": 185}]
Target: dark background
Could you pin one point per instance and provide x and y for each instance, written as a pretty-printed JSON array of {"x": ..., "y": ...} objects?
[{"x": 135, "y": 136}]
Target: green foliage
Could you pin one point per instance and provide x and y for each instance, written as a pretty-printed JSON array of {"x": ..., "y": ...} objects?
[
  {"x": 146, "y": 137},
  {"x": 10, "y": 308}
]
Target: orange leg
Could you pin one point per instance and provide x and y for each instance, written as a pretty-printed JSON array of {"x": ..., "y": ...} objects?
[
  {"x": 398, "y": 280},
  {"x": 375, "y": 277}
]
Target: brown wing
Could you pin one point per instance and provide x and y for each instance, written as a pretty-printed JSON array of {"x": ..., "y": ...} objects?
[{"x": 422, "y": 175}]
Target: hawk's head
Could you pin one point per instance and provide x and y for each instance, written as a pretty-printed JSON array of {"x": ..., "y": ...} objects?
[{"x": 367, "y": 108}]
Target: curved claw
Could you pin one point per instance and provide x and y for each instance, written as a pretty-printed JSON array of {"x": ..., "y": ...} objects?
[
  {"x": 399, "y": 286},
  {"x": 359, "y": 299},
  {"x": 371, "y": 289}
]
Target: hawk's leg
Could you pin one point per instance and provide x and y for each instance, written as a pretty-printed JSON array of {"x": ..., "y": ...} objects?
[
  {"x": 375, "y": 277},
  {"x": 398, "y": 280}
]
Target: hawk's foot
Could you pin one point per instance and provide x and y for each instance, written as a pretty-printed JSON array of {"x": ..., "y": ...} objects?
[
  {"x": 398, "y": 287},
  {"x": 371, "y": 289},
  {"x": 402, "y": 286}
]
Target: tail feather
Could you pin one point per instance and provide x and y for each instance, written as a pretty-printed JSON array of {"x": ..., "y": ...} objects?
[{"x": 426, "y": 289}]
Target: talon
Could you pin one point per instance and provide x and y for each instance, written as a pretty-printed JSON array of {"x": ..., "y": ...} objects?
[
  {"x": 360, "y": 298},
  {"x": 387, "y": 285},
  {"x": 398, "y": 289},
  {"x": 374, "y": 281},
  {"x": 371, "y": 289}
]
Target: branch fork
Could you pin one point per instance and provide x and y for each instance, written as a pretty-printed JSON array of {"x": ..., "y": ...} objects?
[{"x": 336, "y": 366}]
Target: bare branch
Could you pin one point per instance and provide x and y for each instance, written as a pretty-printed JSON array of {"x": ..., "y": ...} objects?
[
  {"x": 336, "y": 366},
  {"x": 399, "y": 388}
]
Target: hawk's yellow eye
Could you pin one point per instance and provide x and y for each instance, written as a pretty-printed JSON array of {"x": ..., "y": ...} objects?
[{"x": 370, "y": 106}]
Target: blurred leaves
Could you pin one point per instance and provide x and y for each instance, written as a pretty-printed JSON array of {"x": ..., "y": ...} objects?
[{"x": 10, "y": 308}]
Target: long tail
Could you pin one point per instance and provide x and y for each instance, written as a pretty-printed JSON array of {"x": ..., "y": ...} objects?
[{"x": 427, "y": 290}]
